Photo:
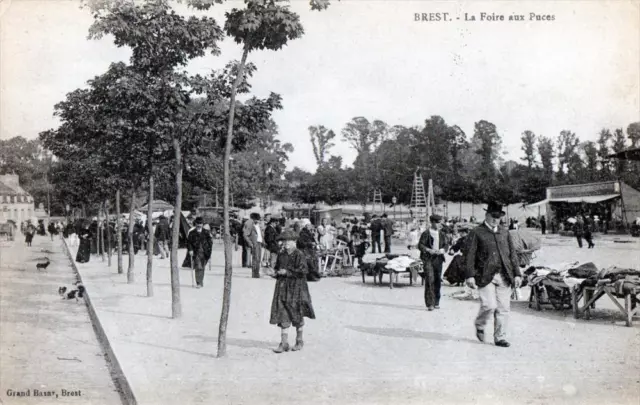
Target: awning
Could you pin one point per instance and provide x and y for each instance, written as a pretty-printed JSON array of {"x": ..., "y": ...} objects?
[
  {"x": 628, "y": 154},
  {"x": 537, "y": 204},
  {"x": 587, "y": 199}
]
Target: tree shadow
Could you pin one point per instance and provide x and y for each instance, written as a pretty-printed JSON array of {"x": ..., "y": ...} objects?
[
  {"x": 244, "y": 343},
  {"x": 412, "y": 334},
  {"x": 385, "y": 284},
  {"x": 385, "y": 304}
]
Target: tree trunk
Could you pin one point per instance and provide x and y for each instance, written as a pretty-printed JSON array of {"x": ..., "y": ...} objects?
[
  {"x": 119, "y": 232},
  {"x": 176, "y": 306},
  {"x": 132, "y": 255},
  {"x": 228, "y": 270},
  {"x": 151, "y": 239},
  {"x": 108, "y": 229},
  {"x": 101, "y": 232}
]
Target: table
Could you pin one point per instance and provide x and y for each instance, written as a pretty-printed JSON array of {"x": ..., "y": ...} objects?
[
  {"x": 593, "y": 294},
  {"x": 379, "y": 269}
]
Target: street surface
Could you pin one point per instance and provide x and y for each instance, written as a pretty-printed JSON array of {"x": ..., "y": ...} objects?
[
  {"x": 369, "y": 344},
  {"x": 49, "y": 353}
]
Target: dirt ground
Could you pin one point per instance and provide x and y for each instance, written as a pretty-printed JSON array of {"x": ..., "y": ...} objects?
[{"x": 369, "y": 344}]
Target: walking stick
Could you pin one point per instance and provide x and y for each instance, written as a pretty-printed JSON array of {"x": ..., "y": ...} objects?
[{"x": 193, "y": 273}]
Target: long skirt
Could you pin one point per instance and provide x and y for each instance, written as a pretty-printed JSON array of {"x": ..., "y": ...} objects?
[
  {"x": 291, "y": 302},
  {"x": 84, "y": 251}
]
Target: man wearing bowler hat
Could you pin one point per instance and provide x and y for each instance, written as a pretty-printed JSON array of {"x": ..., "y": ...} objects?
[
  {"x": 491, "y": 265},
  {"x": 432, "y": 246}
]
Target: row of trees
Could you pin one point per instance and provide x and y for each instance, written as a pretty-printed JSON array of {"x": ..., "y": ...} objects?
[
  {"x": 149, "y": 123},
  {"x": 463, "y": 169}
]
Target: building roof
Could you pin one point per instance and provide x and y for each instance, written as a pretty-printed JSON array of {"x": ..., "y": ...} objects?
[{"x": 6, "y": 190}]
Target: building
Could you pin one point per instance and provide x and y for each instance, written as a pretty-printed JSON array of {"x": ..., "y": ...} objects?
[
  {"x": 15, "y": 203},
  {"x": 611, "y": 201}
]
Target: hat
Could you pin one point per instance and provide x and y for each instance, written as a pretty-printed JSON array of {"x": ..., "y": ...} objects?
[
  {"x": 435, "y": 218},
  {"x": 493, "y": 207},
  {"x": 305, "y": 221},
  {"x": 199, "y": 221},
  {"x": 288, "y": 234},
  {"x": 255, "y": 216}
]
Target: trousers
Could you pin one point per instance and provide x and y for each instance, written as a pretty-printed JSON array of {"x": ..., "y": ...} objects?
[
  {"x": 432, "y": 282},
  {"x": 375, "y": 241},
  {"x": 255, "y": 260},
  {"x": 495, "y": 301}
]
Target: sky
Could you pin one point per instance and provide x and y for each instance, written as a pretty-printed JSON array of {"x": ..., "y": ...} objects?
[{"x": 580, "y": 71}]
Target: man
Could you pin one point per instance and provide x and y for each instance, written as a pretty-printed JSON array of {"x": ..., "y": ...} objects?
[
  {"x": 432, "y": 246},
  {"x": 376, "y": 228},
  {"x": 491, "y": 265},
  {"x": 162, "y": 234},
  {"x": 543, "y": 225},
  {"x": 291, "y": 299},
  {"x": 387, "y": 227},
  {"x": 246, "y": 250},
  {"x": 253, "y": 240},
  {"x": 199, "y": 244},
  {"x": 271, "y": 243},
  {"x": 266, "y": 253}
]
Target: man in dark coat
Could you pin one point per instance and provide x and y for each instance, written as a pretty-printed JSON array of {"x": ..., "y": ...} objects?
[
  {"x": 543, "y": 225},
  {"x": 291, "y": 299},
  {"x": 376, "y": 229},
  {"x": 199, "y": 244},
  {"x": 270, "y": 241},
  {"x": 306, "y": 243},
  {"x": 387, "y": 227},
  {"x": 432, "y": 246},
  {"x": 492, "y": 266},
  {"x": 162, "y": 234}
]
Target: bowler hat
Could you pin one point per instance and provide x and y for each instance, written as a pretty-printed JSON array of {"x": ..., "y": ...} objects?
[
  {"x": 199, "y": 221},
  {"x": 435, "y": 218},
  {"x": 494, "y": 207},
  {"x": 288, "y": 234}
]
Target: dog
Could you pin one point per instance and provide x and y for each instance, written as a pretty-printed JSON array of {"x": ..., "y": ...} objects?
[
  {"x": 75, "y": 292},
  {"x": 43, "y": 266}
]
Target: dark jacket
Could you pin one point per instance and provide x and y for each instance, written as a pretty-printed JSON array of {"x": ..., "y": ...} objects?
[
  {"x": 387, "y": 226},
  {"x": 376, "y": 227},
  {"x": 426, "y": 242},
  {"x": 270, "y": 238},
  {"x": 487, "y": 253},
  {"x": 163, "y": 231},
  {"x": 200, "y": 243}
]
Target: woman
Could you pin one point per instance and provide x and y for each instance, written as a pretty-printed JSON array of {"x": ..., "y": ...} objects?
[
  {"x": 291, "y": 299},
  {"x": 29, "y": 232},
  {"x": 84, "y": 251}
]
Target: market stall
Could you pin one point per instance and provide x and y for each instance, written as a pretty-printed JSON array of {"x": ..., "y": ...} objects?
[
  {"x": 564, "y": 286},
  {"x": 378, "y": 264}
]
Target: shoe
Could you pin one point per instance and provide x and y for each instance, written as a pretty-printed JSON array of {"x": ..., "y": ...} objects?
[
  {"x": 198, "y": 286},
  {"x": 502, "y": 343},
  {"x": 282, "y": 348},
  {"x": 299, "y": 345},
  {"x": 430, "y": 308},
  {"x": 437, "y": 306},
  {"x": 480, "y": 334}
]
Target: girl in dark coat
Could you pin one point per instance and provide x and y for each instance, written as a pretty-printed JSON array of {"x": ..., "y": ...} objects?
[
  {"x": 84, "y": 251},
  {"x": 291, "y": 298},
  {"x": 455, "y": 273}
]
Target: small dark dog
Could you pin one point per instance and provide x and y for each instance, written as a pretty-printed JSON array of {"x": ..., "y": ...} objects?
[
  {"x": 43, "y": 266},
  {"x": 72, "y": 293}
]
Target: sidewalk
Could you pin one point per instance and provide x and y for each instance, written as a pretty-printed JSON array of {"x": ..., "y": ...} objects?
[
  {"x": 46, "y": 343},
  {"x": 369, "y": 345}
]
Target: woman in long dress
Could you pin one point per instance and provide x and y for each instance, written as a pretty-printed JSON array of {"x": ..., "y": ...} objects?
[
  {"x": 291, "y": 299},
  {"x": 84, "y": 251}
]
